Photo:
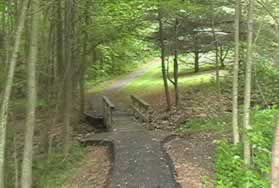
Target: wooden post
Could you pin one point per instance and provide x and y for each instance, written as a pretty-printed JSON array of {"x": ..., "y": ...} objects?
[{"x": 108, "y": 108}]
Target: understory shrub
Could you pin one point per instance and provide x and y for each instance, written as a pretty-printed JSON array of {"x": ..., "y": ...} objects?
[
  {"x": 231, "y": 171},
  {"x": 265, "y": 83},
  {"x": 119, "y": 57}
]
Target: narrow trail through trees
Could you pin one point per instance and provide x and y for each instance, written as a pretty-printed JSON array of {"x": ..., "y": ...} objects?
[
  {"x": 139, "y": 159},
  {"x": 95, "y": 100}
]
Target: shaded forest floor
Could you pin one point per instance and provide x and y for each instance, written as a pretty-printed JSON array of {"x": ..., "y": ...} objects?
[
  {"x": 94, "y": 169},
  {"x": 193, "y": 156}
]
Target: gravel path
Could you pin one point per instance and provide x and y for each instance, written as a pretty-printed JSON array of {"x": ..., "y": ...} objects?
[{"x": 139, "y": 159}]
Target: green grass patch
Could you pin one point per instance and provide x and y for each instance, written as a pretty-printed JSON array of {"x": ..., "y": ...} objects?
[
  {"x": 213, "y": 124},
  {"x": 152, "y": 81},
  {"x": 100, "y": 84}
]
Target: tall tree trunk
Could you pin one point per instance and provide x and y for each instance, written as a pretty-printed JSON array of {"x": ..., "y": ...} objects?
[
  {"x": 8, "y": 89},
  {"x": 68, "y": 77},
  {"x": 26, "y": 175},
  {"x": 217, "y": 69},
  {"x": 217, "y": 63},
  {"x": 60, "y": 41},
  {"x": 248, "y": 79},
  {"x": 82, "y": 88},
  {"x": 84, "y": 63},
  {"x": 49, "y": 59},
  {"x": 176, "y": 66},
  {"x": 6, "y": 36},
  {"x": 15, "y": 156},
  {"x": 59, "y": 70},
  {"x": 235, "y": 76},
  {"x": 275, "y": 159},
  {"x": 175, "y": 75},
  {"x": 164, "y": 74}
]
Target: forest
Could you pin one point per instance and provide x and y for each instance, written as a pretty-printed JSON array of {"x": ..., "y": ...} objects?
[{"x": 139, "y": 93}]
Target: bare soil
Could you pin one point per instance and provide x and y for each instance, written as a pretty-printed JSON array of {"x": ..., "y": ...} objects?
[{"x": 193, "y": 157}]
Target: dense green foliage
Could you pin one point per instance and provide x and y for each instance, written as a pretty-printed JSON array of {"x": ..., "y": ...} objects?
[
  {"x": 231, "y": 171},
  {"x": 117, "y": 58},
  {"x": 265, "y": 83}
]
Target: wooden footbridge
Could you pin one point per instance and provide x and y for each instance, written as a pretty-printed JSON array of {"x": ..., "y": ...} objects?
[{"x": 139, "y": 160}]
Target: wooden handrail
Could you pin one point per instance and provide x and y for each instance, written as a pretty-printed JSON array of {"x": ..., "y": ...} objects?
[
  {"x": 141, "y": 102},
  {"x": 108, "y": 102},
  {"x": 141, "y": 108}
]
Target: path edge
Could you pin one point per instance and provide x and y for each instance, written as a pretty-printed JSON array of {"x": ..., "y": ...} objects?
[
  {"x": 168, "y": 158},
  {"x": 111, "y": 148}
]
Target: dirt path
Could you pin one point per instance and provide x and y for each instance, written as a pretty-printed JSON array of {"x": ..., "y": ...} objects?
[
  {"x": 119, "y": 84},
  {"x": 114, "y": 87}
]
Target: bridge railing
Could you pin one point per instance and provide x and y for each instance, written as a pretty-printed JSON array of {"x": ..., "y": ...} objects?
[
  {"x": 108, "y": 109},
  {"x": 141, "y": 109}
]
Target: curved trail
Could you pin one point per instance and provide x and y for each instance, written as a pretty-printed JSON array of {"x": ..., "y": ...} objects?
[
  {"x": 95, "y": 101},
  {"x": 119, "y": 84}
]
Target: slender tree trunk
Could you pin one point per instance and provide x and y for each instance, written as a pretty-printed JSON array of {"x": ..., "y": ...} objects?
[
  {"x": 235, "y": 76},
  {"x": 26, "y": 175},
  {"x": 82, "y": 77},
  {"x": 176, "y": 66},
  {"x": 222, "y": 58},
  {"x": 68, "y": 76},
  {"x": 248, "y": 79},
  {"x": 6, "y": 37},
  {"x": 217, "y": 70},
  {"x": 59, "y": 70},
  {"x": 197, "y": 64},
  {"x": 217, "y": 63},
  {"x": 164, "y": 74},
  {"x": 83, "y": 64},
  {"x": 175, "y": 73},
  {"x": 60, "y": 41},
  {"x": 8, "y": 89},
  {"x": 82, "y": 89},
  {"x": 275, "y": 159},
  {"x": 196, "y": 55},
  {"x": 16, "y": 163},
  {"x": 49, "y": 59}
]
